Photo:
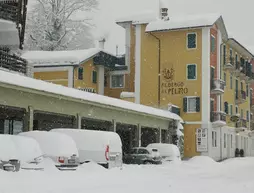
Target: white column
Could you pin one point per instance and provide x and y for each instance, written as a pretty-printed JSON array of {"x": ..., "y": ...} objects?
[
  {"x": 30, "y": 118},
  {"x": 70, "y": 77},
  {"x": 79, "y": 121},
  {"x": 114, "y": 125},
  {"x": 137, "y": 63},
  {"x": 101, "y": 79},
  {"x": 139, "y": 135}
]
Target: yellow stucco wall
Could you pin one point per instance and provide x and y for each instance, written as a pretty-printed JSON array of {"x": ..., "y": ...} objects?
[
  {"x": 175, "y": 55},
  {"x": 190, "y": 140},
  {"x": 114, "y": 92},
  {"x": 229, "y": 94},
  {"x": 51, "y": 75},
  {"x": 87, "y": 76}
]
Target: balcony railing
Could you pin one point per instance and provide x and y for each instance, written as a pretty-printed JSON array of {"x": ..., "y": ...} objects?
[
  {"x": 15, "y": 10},
  {"x": 217, "y": 86},
  {"x": 240, "y": 96},
  {"x": 218, "y": 116},
  {"x": 12, "y": 62},
  {"x": 9, "y": 11},
  {"x": 241, "y": 124}
]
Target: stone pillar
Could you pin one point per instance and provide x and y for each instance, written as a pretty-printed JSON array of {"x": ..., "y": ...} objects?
[
  {"x": 139, "y": 131},
  {"x": 78, "y": 121},
  {"x": 114, "y": 125},
  {"x": 29, "y": 120},
  {"x": 101, "y": 79},
  {"x": 158, "y": 138}
]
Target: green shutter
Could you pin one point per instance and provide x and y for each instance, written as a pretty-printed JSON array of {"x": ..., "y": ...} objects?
[
  {"x": 80, "y": 73},
  {"x": 226, "y": 107},
  {"x": 197, "y": 104},
  {"x": 192, "y": 41},
  {"x": 94, "y": 77},
  {"x": 184, "y": 104}
]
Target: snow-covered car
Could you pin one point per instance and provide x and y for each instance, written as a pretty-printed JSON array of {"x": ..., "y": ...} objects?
[
  {"x": 57, "y": 146},
  {"x": 168, "y": 152},
  {"x": 142, "y": 155},
  {"x": 9, "y": 156},
  {"x": 102, "y": 147}
]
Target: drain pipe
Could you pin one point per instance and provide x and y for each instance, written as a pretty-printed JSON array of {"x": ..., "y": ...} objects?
[{"x": 159, "y": 68}]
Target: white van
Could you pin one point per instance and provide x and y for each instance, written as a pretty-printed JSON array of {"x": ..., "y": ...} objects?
[
  {"x": 102, "y": 147},
  {"x": 57, "y": 146},
  {"x": 168, "y": 152}
]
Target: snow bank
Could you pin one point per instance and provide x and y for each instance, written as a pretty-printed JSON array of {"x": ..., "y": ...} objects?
[
  {"x": 23, "y": 81},
  {"x": 91, "y": 167},
  {"x": 184, "y": 21},
  {"x": 53, "y": 144},
  {"x": 202, "y": 161},
  {"x": 170, "y": 151}
]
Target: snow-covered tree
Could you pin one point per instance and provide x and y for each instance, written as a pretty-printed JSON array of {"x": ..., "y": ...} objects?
[{"x": 60, "y": 25}]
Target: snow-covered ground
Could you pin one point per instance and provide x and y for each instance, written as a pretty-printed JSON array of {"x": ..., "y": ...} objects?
[{"x": 197, "y": 175}]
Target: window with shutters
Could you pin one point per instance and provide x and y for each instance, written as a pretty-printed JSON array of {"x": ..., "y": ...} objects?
[
  {"x": 213, "y": 44},
  {"x": 242, "y": 113},
  {"x": 231, "y": 109},
  {"x": 117, "y": 81},
  {"x": 80, "y": 73},
  {"x": 94, "y": 76},
  {"x": 236, "y": 109},
  {"x": 226, "y": 107},
  {"x": 191, "y": 40},
  {"x": 231, "y": 81},
  {"x": 224, "y": 54},
  {"x": 247, "y": 90},
  {"x": 191, "y": 104},
  {"x": 247, "y": 116},
  {"x": 191, "y": 72}
]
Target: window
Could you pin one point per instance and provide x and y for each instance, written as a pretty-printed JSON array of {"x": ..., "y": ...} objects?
[
  {"x": 241, "y": 113},
  {"x": 236, "y": 60},
  {"x": 247, "y": 90},
  {"x": 80, "y": 73},
  {"x": 226, "y": 107},
  {"x": 191, "y": 40},
  {"x": 241, "y": 85},
  {"x": 225, "y": 140},
  {"x": 231, "y": 109},
  {"x": 236, "y": 109},
  {"x": 230, "y": 54},
  {"x": 175, "y": 110},
  {"x": 247, "y": 116},
  {"x": 213, "y": 44},
  {"x": 191, "y": 72},
  {"x": 231, "y": 81},
  {"x": 142, "y": 151},
  {"x": 225, "y": 78},
  {"x": 94, "y": 76},
  {"x": 117, "y": 81},
  {"x": 191, "y": 104},
  {"x": 214, "y": 138},
  {"x": 224, "y": 54}
]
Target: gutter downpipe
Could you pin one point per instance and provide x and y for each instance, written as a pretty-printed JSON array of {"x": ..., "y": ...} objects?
[{"x": 159, "y": 68}]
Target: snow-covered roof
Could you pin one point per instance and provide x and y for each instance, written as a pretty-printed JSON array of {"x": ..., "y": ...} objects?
[
  {"x": 68, "y": 57},
  {"x": 184, "y": 21},
  {"x": 26, "y": 82},
  {"x": 139, "y": 18},
  {"x": 127, "y": 94}
]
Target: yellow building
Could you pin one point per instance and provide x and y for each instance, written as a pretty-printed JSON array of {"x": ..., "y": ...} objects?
[
  {"x": 91, "y": 70},
  {"x": 191, "y": 66}
]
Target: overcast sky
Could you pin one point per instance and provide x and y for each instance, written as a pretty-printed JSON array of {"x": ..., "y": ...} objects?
[{"x": 237, "y": 16}]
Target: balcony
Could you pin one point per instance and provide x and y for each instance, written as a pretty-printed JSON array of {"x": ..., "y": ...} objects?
[
  {"x": 14, "y": 11},
  {"x": 12, "y": 62},
  {"x": 241, "y": 125},
  {"x": 229, "y": 64},
  {"x": 218, "y": 119},
  {"x": 249, "y": 77},
  {"x": 240, "y": 96},
  {"x": 217, "y": 86}
]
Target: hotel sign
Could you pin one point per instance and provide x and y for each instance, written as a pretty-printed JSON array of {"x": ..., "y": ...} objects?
[
  {"x": 170, "y": 86},
  {"x": 202, "y": 139}
]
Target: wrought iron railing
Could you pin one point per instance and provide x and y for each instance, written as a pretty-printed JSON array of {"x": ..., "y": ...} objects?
[
  {"x": 218, "y": 116},
  {"x": 12, "y": 62},
  {"x": 217, "y": 84},
  {"x": 15, "y": 11},
  {"x": 240, "y": 95}
]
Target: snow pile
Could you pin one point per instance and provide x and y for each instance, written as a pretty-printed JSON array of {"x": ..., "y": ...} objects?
[
  {"x": 22, "y": 81},
  {"x": 61, "y": 57},
  {"x": 170, "y": 151},
  {"x": 184, "y": 21},
  {"x": 202, "y": 161},
  {"x": 53, "y": 144},
  {"x": 92, "y": 167}
]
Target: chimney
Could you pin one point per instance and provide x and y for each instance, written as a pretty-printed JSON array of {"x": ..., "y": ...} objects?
[
  {"x": 101, "y": 43},
  {"x": 163, "y": 10}
]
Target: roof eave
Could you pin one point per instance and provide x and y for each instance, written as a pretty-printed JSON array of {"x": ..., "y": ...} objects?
[
  {"x": 244, "y": 48},
  {"x": 182, "y": 28}
]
